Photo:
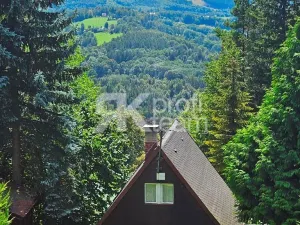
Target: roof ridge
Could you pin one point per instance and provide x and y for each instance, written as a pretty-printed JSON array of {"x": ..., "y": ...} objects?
[{"x": 174, "y": 128}]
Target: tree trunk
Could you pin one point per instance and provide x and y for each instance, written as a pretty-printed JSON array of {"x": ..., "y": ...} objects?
[
  {"x": 16, "y": 156},
  {"x": 16, "y": 133},
  {"x": 14, "y": 91}
]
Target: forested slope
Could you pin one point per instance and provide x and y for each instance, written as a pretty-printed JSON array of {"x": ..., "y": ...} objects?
[
  {"x": 251, "y": 107},
  {"x": 163, "y": 52},
  {"x": 150, "y": 3}
]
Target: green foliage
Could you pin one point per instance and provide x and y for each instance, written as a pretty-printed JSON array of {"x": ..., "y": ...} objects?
[
  {"x": 260, "y": 28},
  {"x": 4, "y": 205},
  {"x": 106, "y": 25},
  {"x": 176, "y": 4},
  {"x": 97, "y": 22},
  {"x": 225, "y": 102},
  {"x": 103, "y": 163},
  {"x": 298, "y": 31},
  {"x": 105, "y": 37},
  {"x": 34, "y": 95},
  {"x": 157, "y": 52},
  {"x": 220, "y": 3},
  {"x": 263, "y": 159},
  {"x": 88, "y": 39},
  {"x": 162, "y": 65},
  {"x": 49, "y": 126}
]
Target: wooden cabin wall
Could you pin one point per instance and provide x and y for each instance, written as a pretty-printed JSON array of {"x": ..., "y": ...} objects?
[{"x": 132, "y": 209}]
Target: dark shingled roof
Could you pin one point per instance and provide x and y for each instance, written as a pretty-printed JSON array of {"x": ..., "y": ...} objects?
[
  {"x": 200, "y": 175},
  {"x": 22, "y": 202},
  {"x": 194, "y": 170}
]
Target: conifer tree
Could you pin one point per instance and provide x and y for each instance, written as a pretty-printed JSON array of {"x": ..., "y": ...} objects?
[
  {"x": 34, "y": 94},
  {"x": 260, "y": 28},
  {"x": 6, "y": 59},
  {"x": 263, "y": 159},
  {"x": 224, "y": 103},
  {"x": 241, "y": 22},
  {"x": 226, "y": 100}
]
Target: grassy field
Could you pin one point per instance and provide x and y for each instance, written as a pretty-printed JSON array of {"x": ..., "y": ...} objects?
[
  {"x": 105, "y": 37},
  {"x": 96, "y": 22}
]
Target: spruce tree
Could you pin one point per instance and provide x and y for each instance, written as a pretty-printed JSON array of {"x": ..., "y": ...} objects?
[
  {"x": 224, "y": 102},
  {"x": 7, "y": 59},
  {"x": 263, "y": 160},
  {"x": 227, "y": 100},
  {"x": 241, "y": 22},
  {"x": 260, "y": 28},
  {"x": 34, "y": 95}
]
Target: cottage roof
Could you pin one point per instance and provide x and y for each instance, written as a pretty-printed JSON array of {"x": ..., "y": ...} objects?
[
  {"x": 22, "y": 201},
  {"x": 206, "y": 183},
  {"x": 194, "y": 170}
]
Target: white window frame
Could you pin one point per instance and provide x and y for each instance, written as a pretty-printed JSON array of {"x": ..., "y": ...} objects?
[{"x": 159, "y": 194}]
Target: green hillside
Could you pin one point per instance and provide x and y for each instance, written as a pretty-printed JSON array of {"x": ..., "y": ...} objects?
[
  {"x": 97, "y": 22},
  {"x": 105, "y": 37},
  {"x": 73, "y": 4},
  {"x": 220, "y": 3}
]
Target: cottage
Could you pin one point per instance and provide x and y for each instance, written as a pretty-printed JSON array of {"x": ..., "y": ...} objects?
[
  {"x": 22, "y": 206},
  {"x": 176, "y": 185}
]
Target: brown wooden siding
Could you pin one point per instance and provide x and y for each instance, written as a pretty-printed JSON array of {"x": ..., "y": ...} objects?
[
  {"x": 27, "y": 220},
  {"x": 132, "y": 209}
]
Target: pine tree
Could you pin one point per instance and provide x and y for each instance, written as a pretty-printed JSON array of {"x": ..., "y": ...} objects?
[
  {"x": 225, "y": 101},
  {"x": 34, "y": 95},
  {"x": 106, "y": 25},
  {"x": 263, "y": 160},
  {"x": 6, "y": 59},
  {"x": 241, "y": 23},
  {"x": 260, "y": 28}
]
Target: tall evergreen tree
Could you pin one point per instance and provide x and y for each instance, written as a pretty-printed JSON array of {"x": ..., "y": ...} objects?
[
  {"x": 34, "y": 93},
  {"x": 263, "y": 160},
  {"x": 241, "y": 22},
  {"x": 260, "y": 28},
  {"x": 7, "y": 59},
  {"x": 225, "y": 101}
]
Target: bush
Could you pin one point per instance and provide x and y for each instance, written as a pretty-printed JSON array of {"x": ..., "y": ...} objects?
[{"x": 4, "y": 205}]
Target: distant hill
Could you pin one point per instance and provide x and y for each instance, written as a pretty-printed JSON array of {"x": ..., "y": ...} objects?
[
  {"x": 220, "y": 4},
  {"x": 156, "y": 3}
]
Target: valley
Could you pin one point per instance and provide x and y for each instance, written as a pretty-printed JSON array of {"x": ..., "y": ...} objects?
[{"x": 157, "y": 51}]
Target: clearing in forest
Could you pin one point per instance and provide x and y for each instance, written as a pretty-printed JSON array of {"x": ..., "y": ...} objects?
[{"x": 105, "y": 37}]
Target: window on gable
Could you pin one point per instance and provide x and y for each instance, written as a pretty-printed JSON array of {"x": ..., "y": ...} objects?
[
  {"x": 159, "y": 193},
  {"x": 150, "y": 193}
]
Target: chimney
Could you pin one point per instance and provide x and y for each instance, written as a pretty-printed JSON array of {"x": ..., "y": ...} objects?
[{"x": 151, "y": 132}]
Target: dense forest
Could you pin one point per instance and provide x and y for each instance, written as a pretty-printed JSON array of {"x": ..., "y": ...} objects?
[
  {"x": 187, "y": 5},
  {"x": 159, "y": 52},
  {"x": 237, "y": 64},
  {"x": 251, "y": 103}
]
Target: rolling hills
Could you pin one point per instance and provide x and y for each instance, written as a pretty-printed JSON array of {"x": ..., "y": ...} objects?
[{"x": 219, "y": 4}]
